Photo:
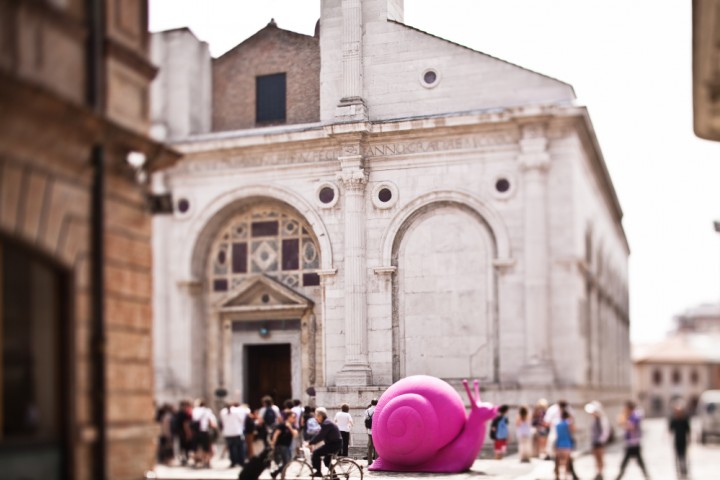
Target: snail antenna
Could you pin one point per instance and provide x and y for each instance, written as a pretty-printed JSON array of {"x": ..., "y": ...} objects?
[{"x": 467, "y": 389}]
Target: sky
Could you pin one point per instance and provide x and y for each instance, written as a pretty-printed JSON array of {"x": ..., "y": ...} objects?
[{"x": 630, "y": 64}]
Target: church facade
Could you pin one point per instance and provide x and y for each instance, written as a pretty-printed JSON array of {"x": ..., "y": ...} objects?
[{"x": 374, "y": 202}]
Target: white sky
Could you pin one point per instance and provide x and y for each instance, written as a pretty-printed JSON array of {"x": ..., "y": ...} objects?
[{"x": 630, "y": 64}]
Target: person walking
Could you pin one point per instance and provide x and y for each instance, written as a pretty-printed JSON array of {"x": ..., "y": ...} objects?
[
  {"x": 282, "y": 440},
  {"x": 250, "y": 430},
  {"x": 371, "y": 453},
  {"x": 344, "y": 421},
  {"x": 599, "y": 435},
  {"x": 680, "y": 429},
  {"x": 206, "y": 421},
  {"x": 330, "y": 435},
  {"x": 499, "y": 432},
  {"x": 183, "y": 419},
  {"x": 523, "y": 431},
  {"x": 540, "y": 429},
  {"x": 563, "y": 445},
  {"x": 267, "y": 419},
  {"x": 630, "y": 421},
  {"x": 233, "y": 426}
]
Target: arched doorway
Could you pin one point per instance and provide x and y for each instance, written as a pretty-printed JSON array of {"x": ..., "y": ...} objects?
[{"x": 262, "y": 284}]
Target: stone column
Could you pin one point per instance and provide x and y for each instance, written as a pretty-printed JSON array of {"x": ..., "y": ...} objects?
[
  {"x": 356, "y": 370},
  {"x": 352, "y": 106},
  {"x": 535, "y": 162},
  {"x": 186, "y": 349}
]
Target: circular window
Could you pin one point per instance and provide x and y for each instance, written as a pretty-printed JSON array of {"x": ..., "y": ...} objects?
[
  {"x": 265, "y": 298},
  {"x": 429, "y": 78},
  {"x": 327, "y": 195},
  {"x": 502, "y": 185},
  {"x": 384, "y": 195},
  {"x": 183, "y": 205}
]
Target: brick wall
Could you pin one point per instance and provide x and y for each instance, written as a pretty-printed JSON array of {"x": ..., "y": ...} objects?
[
  {"x": 271, "y": 50},
  {"x": 46, "y": 137}
]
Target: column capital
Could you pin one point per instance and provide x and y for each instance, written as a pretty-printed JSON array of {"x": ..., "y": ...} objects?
[{"x": 353, "y": 179}]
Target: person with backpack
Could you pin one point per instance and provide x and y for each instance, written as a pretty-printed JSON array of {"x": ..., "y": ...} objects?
[
  {"x": 371, "y": 453},
  {"x": 499, "y": 432},
  {"x": 310, "y": 424},
  {"x": 268, "y": 418}
]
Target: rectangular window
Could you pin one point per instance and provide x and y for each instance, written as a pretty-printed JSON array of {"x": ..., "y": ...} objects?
[
  {"x": 270, "y": 98},
  {"x": 239, "y": 257},
  {"x": 264, "y": 229},
  {"x": 290, "y": 260}
]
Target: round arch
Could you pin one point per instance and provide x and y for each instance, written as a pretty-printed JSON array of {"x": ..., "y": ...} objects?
[
  {"x": 489, "y": 216},
  {"x": 205, "y": 226}
]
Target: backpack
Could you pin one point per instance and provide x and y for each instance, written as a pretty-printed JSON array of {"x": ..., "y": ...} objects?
[
  {"x": 493, "y": 428},
  {"x": 368, "y": 421},
  {"x": 312, "y": 427},
  {"x": 269, "y": 417}
]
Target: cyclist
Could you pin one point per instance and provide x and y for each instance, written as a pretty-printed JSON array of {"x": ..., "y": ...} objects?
[{"x": 330, "y": 434}]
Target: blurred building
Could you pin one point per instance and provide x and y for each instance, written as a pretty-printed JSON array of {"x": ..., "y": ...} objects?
[
  {"x": 678, "y": 368},
  {"x": 703, "y": 318},
  {"x": 76, "y": 389},
  {"x": 683, "y": 365},
  {"x": 373, "y": 202}
]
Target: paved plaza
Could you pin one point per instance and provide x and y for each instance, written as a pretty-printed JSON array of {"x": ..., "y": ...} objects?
[{"x": 704, "y": 463}]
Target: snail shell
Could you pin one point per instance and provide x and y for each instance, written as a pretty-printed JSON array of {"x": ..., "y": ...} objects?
[{"x": 415, "y": 418}]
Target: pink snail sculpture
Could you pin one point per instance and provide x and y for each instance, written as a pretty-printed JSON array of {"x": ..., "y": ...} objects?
[{"x": 420, "y": 425}]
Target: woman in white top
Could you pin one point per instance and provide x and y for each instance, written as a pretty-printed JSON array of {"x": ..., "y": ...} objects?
[{"x": 344, "y": 422}]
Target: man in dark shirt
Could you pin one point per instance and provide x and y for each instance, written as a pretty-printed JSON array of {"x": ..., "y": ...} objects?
[
  {"x": 680, "y": 428},
  {"x": 330, "y": 434}
]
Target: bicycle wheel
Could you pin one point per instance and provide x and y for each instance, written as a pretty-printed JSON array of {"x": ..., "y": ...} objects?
[
  {"x": 297, "y": 470},
  {"x": 346, "y": 468}
]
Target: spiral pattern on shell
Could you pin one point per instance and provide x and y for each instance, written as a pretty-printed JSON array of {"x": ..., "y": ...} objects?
[{"x": 416, "y": 417}]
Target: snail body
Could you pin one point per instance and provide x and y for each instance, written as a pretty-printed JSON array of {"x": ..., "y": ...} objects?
[{"x": 420, "y": 425}]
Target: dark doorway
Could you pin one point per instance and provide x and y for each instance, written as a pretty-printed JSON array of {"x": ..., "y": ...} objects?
[{"x": 268, "y": 373}]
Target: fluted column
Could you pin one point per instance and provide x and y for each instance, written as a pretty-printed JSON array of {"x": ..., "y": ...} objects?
[
  {"x": 535, "y": 162},
  {"x": 352, "y": 106},
  {"x": 356, "y": 370}
]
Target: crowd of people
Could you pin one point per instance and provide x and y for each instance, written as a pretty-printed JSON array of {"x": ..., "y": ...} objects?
[
  {"x": 549, "y": 432},
  {"x": 190, "y": 431}
]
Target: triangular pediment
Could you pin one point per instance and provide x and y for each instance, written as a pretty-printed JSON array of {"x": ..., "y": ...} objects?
[{"x": 263, "y": 294}]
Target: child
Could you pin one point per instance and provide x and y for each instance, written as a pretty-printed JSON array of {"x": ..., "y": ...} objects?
[
  {"x": 499, "y": 432},
  {"x": 524, "y": 432},
  {"x": 563, "y": 444}
]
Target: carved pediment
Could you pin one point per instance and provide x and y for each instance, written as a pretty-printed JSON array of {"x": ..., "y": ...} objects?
[{"x": 262, "y": 296}]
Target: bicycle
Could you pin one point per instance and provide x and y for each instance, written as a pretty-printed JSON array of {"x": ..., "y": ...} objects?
[{"x": 341, "y": 468}]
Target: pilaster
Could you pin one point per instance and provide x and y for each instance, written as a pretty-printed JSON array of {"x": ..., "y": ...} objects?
[
  {"x": 535, "y": 162},
  {"x": 352, "y": 106},
  {"x": 356, "y": 370}
]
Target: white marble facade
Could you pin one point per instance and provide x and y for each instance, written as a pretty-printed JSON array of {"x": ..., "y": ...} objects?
[{"x": 462, "y": 228}]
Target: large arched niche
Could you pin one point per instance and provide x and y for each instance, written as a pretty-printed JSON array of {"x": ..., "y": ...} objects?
[
  {"x": 485, "y": 214},
  {"x": 445, "y": 322},
  {"x": 209, "y": 222}
]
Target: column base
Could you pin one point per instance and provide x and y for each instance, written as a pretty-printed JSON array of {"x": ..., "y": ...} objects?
[
  {"x": 537, "y": 373},
  {"x": 354, "y": 376},
  {"x": 351, "y": 109}
]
